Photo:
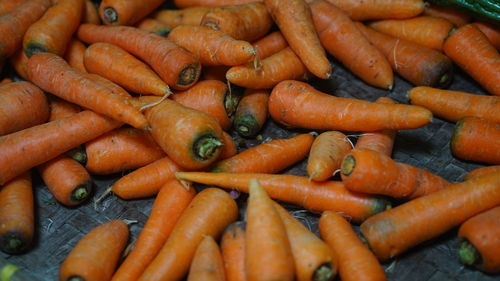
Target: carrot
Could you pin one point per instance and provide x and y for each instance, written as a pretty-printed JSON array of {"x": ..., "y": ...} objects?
[
  {"x": 484, "y": 65},
  {"x": 90, "y": 14},
  {"x": 480, "y": 244},
  {"x": 9, "y": 6},
  {"x": 355, "y": 261},
  {"x": 327, "y": 152},
  {"x": 207, "y": 262},
  {"x": 268, "y": 254},
  {"x": 394, "y": 231},
  {"x": 251, "y": 113},
  {"x": 315, "y": 196},
  {"x": 476, "y": 139},
  {"x": 375, "y": 9},
  {"x": 155, "y": 26},
  {"x": 314, "y": 260},
  {"x": 280, "y": 66},
  {"x": 170, "y": 203},
  {"x": 126, "y": 12},
  {"x": 60, "y": 108},
  {"x": 5, "y": 81},
  {"x": 217, "y": 48},
  {"x": 318, "y": 110},
  {"x": 22, "y": 105},
  {"x": 96, "y": 255},
  {"x": 209, "y": 3},
  {"x": 479, "y": 172},
  {"x": 270, "y": 44},
  {"x": 74, "y": 55},
  {"x": 269, "y": 157},
  {"x": 17, "y": 216},
  {"x": 295, "y": 23},
  {"x": 343, "y": 40},
  {"x": 53, "y": 31},
  {"x": 453, "y": 105},
  {"x": 233, "y": 251},
  {"x": 19, "y": 62},
  {"x": 175, "y": 65},
  {"x": 456, "y": 17},
  {"x": 419, "y": 65},
  {"x": 117, "y": 65},
  {"x": 229, "y": 149},
  {"x": 51, "y": 73},
  {"x": 186, "y": 16},
  {"x": 217, "y": 72},
  {"x": 247, "y": 22},
  {"x": 209, "y": 213},
  {"x": 111, "y": 86},
  {"x": 491, "y": 31}
]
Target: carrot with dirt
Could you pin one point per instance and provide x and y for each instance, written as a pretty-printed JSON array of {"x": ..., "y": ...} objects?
[
  {"x": 19, "y": 62},
  {"x": 375, "y": 9},
  {"x": 90, "y": 13},
  {"x": 270, "y": 44},
  {"x": 179, "y": 68},
  {"x": 476, "y": 139},
  {"x": 491, "y": 31},
  {"x": 327, "y": 152},
  {"x": 320, "y": 111},
  {"x": 479, "y": 172},
  {"x": 155, "y": 26},
  {"x": 169, "y": 205},
  {"x": 207, "y": 262},
  {"x": 340, "y": 37},
  {"x": 229, "y": 148},
  {"x": 126, "y": 12},
  {"x": 209, "y": 213},
  {"x": 74, "y": 55},
  {"x": 17, "y": 215},
  {"x": 186, "y": 16},
  {"x": 9, "y": 5},
  {"x": 233, "y": 251},
  {"x": 394, "y": 231},
  {"x": 251, "y": 113},
  {"x": 314, "y": 196},
  {"x": 355, "y": 261},
  {"x": 456, "y": 17},
  {"x": 209, "y": 3}
]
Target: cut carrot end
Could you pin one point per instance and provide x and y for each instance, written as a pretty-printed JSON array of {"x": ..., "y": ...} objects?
[
  {"x": 188, "y": 76},
  {"x": 81, "y": 192},
  {"x": 468, "y": 254},
  {"x": 206, "y": 146},
  {"x": 13, "y": 243},
  {"x": 324, "y": 272},
  {"x": 246, "y": 126},
  {"x": 348, "y": 165},
  {"x": 78, "y": 154},
  {"x": 110, "y": 15},
  {"x": 34, "y": 48}
]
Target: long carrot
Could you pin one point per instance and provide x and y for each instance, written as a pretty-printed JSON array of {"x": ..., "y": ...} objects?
[
  {"x": 186, "y": 16},
  {"x": 74, "y": 55},
  {"x": 394, "y": 231},
  {"x": 327, "y": 152},
  {"x": 318, "y": 110},
  {"x": 233, "y": 251},
  {"x": 155, "y": 26},
  {"x": 90, "y": 14},
  {"x": 491, "y": 31},
  {"x": 19, "y": 61},
  {"x": 458, "y": 18},
  {"x": 207, "y": 262},
  {"x": 209, "y": 3},
  {"x": 479, "y": 172},
  {"x": 251, "y": 113},
  {"x": 126, "y": 12},
  {"x": 270, "y": 44},
  {"x": 8, "y": 6},
  {"x": 314, "y": 196},
  {"x": 96, "y": 255},
  {"x": 355, "y": 261},
  {"x": 17, "y": 215},
  {"x": 209, "y": 213},
  {"x": 170, "y": 203},
  {"x": 229, "y": 148},
  {"x": 343, "y": 40},
  {"x": 175, "y": 65},
  {"x": 376, "y": 9}
]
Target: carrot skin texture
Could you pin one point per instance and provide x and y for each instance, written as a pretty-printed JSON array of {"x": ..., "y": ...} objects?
[
  {"x": 126, "y": 12},
  {"x": 458, "y": 18},
  {"x": 479, "y": 172},
  {"x": 491, "y": 31},
  {"x": 233, "y": 251},
  {"x": 251, "y": 113},
  {"x": 155, "y": 26},
  {"x": 186, "y": 16},
  {"x": 74, "y": 55},
  {"x": 209, "y": 3},
  {"x": 270, "y": 44},
  {"x": 207, "y": 262},
  {"x": 326, "y": 154},
  {"x": 373, "y": 9}
]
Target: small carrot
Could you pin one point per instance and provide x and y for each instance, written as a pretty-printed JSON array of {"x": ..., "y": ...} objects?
[
  {"x": 209, "y": 3},
  {"x": 318, "y": 110},
  {"x": 19, "y": 62},
  {"x": 270, "y": 44},
  {"x": 251, "y": 113},
  {"x": 217, "y": 72},
  {"x": 479, "y": 172},
  {"x": 90, "y": 14},
  {"x": 233, "y": 251},
  {"x": 209, "y": 213},
  {"x": 456, "y": 17},
  {"x": 170, "y": 203},
  {"x": 9, "y": 6},
  {"x": 375, "y": 9},
  {"x": 207, "y": 262},
  {"x": 186, "y": 16},
  {"x": 74, "y": 55},
  {"x": 484, "y": 65},
  {"x": 126, "y": 12},
  {"x": 229, "y": 148},
  {"x": 17, "y": 215},
  {"x": 327, "y": 152},
  {"x": 96, "y": 255},
  {"x": 355, "y": 261},
  {"x": 491, "y": 31},
  {"x": 155, "y": 26},
  {"x": 394, "y": 231}
]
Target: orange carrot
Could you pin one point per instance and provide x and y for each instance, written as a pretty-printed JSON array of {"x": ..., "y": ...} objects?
[
  {"x": 175, "y": 65},
  {"x": 207, "y": 262},
  {"x": 456, "y": 17},
  {"x": 96, "y": 255},
  {"x": 491, "y": 31},
  {"x": 233, "y": 251},
  {"x": 375, "y": 9},
  {"x": 251, "y": 113},
  {"x": 60, "y": 108},
  {"x": 229, "y": 148},
  {"x": 209, "y": 3},
  {"x": 327, "y": 152},
  {"x": 270, "y": 44},
  {"x": 9, "y": 5},
  {"x": 126, "y": 12},
  {"x": 343, "y": 40},
  {"x": 90, "y": 14},
  {"x": 74, "y": 55},
  {"x": 355, "y": 261},
  {"x": 186, "y": 16},
  {"x": 484, "y": 65},
  {"x": 170, "y": 203},
  {"x": 318, "y": 110},
  {"x": 17, "y": 215},
  {"x": 479, "y": 172},
  {"x": 19, "y": 62},
  {"x": 394, "y": 231},
  {"x": 111, "y": 86},
  {"x": 155, "y": 26},
  {"x": 5, "y": 81},
  {"x": 209, "y": 213},
  {"x": 217, "y": 72}
]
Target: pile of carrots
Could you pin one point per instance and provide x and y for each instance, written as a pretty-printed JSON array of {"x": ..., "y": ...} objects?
[{"x": 123, "y": 85}]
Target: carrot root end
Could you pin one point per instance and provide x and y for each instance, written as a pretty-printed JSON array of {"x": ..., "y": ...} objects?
[
  {"x": 110, "y": 15},
  {"x": 468, "y": 254},
  {"x": 324, "y": 272}
]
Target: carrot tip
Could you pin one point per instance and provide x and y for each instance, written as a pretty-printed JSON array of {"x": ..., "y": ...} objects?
[
  {"x": 324, "y": 272},
  {"x": 110, "y": 15},
  {"x": 348, "y": 165},
  {"x": 469, "y": 254}
]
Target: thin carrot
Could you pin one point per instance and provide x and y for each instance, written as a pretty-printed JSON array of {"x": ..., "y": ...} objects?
[
  {"x": 155, "y": 26},
  {"x": 175, "y": 65},
  {"x": 90, "y": 14},
  {"x": 96, "y": 255},
  {"x": 209, "y": 213},
  {"x": 343, "y": 40},
  {"x": 394, "y": 231},
  {"x": 229, "y": 148},
  {"x": 19, "y": 62},
  {"x": 355, "y": 261},
  {"x": 209, "y": 3},
  {"x": 318, "y": 110},
  {"x": 458, "y": 18},
  {"x": 186, "y": 16},
  {"x": 217, "y": 72},
  {"x": 491, "y": 31},
  {"x": 233, "y": 251},
  {"x": 484, "y": 65},
  {"x": 170, "y": 203},
  {"x": 375, "y": 9},
  {"x": 327, "y": 152},
  {"x": 479, "y": 172},
  {"x": 5, "y": 80},
  {"x": 315, "y": 196},
  {"x": 207, "y": 262},
  {"x": 74, "y": 55},
  {"x": 9, "y": 6},
  {"x": 17, "y": 215},
  {"x": 251, "y": 113},
  {"x": 270, "y": 44},
  {"x": 126, "y": 12}
]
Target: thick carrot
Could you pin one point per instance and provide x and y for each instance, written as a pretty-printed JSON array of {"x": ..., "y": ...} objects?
[
  {"x": 480, "y": 244},
  {"x": 96, "y": 255},
  {"x": 453, "y": 105},
  {"x": 22, "y": 105},
  {"x": 297, "y": 104},
  {"x": 343, "y": 40},
  {"x": 213, "y": 47},
  {"x": 484, "y": 65},
  {"x": 170, "y": 203},
  {"x": 327, "y": 152},
  {"x": 175, "y": 65},
  {"x": 294, "y": 20},
  {"x": 479, "y": 172},
  {"x": 315, "y": 196},
  {"x": 491, "y": 31},
  {"x": 53, "y": 31},
  {"x": 9, "y": 5},
  {"x": 155, "y": 26},
  {"x": 186, "y": 16},
  {"x": 420, "y": 65},
  {"x": 251, "y": 113},
  {"x": 209, "y": 213},
  {"x": 270, "y": 44},
  {"x": 207, "y": 262},
  {"x": 17, "y": 215},
  {"x": 476, "y": 139},
  {"x": 90, "y": 13},
  {"x": 19, "y": 62},
  {"x": 355, "y": 261},
  {"x": 269, "y": 157},
  {"x": 209, "y": 3},
  {"x": 456, "y": 17},
  {"x": 233, "y": 251},
  {"x": 74, "y": 55},
  {"x": 376, "y": 9},
  {"x": 394, "y": 231},
  {"x": 126, "y": 12},
  {"x": 229, "y": 148}
]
